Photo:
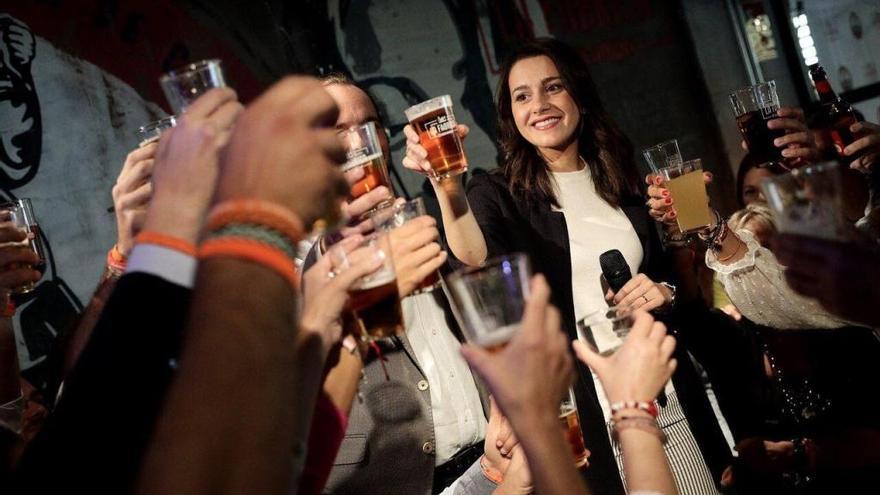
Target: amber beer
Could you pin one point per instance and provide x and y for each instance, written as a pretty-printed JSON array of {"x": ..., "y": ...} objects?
[
  {"x": 688, "y": 191},
  {"x": 364, "y": 152},
  {"x": 375, "y": 308},
  {"x": 435, "y": 123},
  {"x": 571, "y": 429},
  {"x": 375, "y": 175},
  {"x": 754, "y": 106}
]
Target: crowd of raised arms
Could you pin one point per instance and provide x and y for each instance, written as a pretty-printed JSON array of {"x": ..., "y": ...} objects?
[{"x": 274, "y": 318}]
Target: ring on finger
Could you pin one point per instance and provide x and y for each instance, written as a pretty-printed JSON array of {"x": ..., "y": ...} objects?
[{"x": 645, "y": 298}]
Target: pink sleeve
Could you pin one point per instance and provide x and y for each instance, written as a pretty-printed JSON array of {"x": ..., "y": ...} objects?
[{"x": 325, "y": 437}]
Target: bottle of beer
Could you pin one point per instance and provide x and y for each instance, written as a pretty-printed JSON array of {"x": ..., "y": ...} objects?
[{"x": 837, "y": 115}]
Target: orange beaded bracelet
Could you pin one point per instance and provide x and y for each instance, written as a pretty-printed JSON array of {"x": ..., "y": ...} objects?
[{"x": 167, "y": 241}]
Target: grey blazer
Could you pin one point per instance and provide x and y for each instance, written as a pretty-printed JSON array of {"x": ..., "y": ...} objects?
[{"x": 388, "y": 447}]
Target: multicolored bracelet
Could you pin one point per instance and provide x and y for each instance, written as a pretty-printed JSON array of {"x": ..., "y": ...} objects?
[
  {"x": 643, "y": 423},
  {"x": 648, "y": 407},
  {"x": 166, "y": 241}
]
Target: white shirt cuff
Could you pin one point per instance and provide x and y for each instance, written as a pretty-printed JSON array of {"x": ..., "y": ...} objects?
[{"x": 168, "y": 264}]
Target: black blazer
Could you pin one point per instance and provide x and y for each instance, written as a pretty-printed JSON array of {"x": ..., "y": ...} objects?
[
  {"x": 94, "y": 440},
  {"x": 512, "y": 224}
]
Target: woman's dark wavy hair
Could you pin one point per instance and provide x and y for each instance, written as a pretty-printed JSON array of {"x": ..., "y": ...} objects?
[{"x": 607, "y": 151}]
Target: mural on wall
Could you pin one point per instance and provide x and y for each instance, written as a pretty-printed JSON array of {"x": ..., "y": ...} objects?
[{"x": 52, "y": 305}]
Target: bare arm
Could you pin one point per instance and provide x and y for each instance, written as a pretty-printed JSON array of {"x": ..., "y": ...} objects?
[{"x": 463, "y": 233}]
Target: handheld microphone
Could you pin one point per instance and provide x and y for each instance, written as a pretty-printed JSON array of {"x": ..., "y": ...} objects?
[{"x": 614, "y": 269}]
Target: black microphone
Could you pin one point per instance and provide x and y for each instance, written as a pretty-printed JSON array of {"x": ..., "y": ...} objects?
[
  {"x": 614, "y": 269},
  {"x": 617, "y": 273}
]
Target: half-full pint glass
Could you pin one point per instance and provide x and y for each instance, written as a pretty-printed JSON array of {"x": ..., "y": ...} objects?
[
  {"x": 391, "y": 217},
  {"x": 151, "y": 132},
  {"x": 688, "y": 191},
  {"x": 374, "y": 301},
  {"x": 753, "y": 107},
  {"x": 182, "y": 86},
  {"x": 22, "y": 216},
  {"x": 489, "y": 300},
  {"x": 435, "y": 123},
  {"x": 364, "y": 154},
  {"x": 571, "y": 429}
]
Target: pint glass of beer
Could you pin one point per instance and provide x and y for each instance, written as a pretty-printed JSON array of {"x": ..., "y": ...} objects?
[
  {"x": 435, "y": 123},
  {"x": 365, "y": 154},
  {"x": 688, "y": 191},
  {"x": 182, "y": 86},
  {"x": 151, "y": 132},
  {"x": 391, "y": 217},
  {"x": 489, "y": 300},
  {"x": 374, "y": 302},
  {"x": 571, "y": 429},
  {"x": 21, "y": 214},
  {"x": 753, "y": 107},
  {"x": 808, "y": 201}
]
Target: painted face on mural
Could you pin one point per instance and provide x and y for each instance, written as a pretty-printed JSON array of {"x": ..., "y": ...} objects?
[
  {"x": 20, "y": 129},
  {"x": 545, "y": 113}
]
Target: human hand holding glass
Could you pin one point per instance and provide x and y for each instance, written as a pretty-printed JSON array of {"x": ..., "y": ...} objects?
[{"x": 22, "y": 247}]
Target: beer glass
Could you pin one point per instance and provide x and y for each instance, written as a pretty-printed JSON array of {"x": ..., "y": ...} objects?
[
  {"x": 665, "y": 154},
  {"x": 365, "y": 153},
  {"x": 753, "y": 107},
  {"x": 570, "y": 422},
  {"x": 394, "y": 216},
  {"x": 151, "y": 132},
  {"x": 374, "y": 302},
  {"x": 489, "y": 300},
  {"x": 182, "y": 86},
  {"x": 22, "y": 216},
  {"x": 434, "y": 122},
  {"x": 807, "y": 201},
  {"x": 688, "y": 192},
  {"x": 605, "y": 329}
]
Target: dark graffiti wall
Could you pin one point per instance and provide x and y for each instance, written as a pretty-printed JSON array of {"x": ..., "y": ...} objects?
[{"x": 77, "y": 77}]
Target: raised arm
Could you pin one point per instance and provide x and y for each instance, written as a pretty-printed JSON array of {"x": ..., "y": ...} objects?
[{"x": 463, "y": 233}]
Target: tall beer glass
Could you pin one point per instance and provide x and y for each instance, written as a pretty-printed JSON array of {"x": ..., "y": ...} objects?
[
  {"x": 754, "y": 106},
  {"x": 374, "y": 301},
  {"x": 489, "y": 300},
  {"x": 391, "y": 217},
  {"x": 688, "y": 191},
  {"x": 570, "y": 422},
  {"x": 21, "y": 214},
  {"x": 182, "y": 86},
  {"x": 808, "y": 201},
  {"x": 364, "y": 153},
  {"x": 435, "y": 123},
  {"x": 151, "y": 132}
]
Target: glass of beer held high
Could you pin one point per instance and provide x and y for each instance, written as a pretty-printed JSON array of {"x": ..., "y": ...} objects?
[
  {"x": 21, "y": 214},
  {"x": 754, "y": 106},
  {"x": 374, "y": 302},
  {"x": 571, "y": 429},
  {"x": 182, "y": 86},
  {"x": 364, "y": 157},
  {"x": 688, "y": 191},
  {"x": 391, "y": 217},
  {"x": 435, "y": 123},
  {"x": 489, "y": 300}
]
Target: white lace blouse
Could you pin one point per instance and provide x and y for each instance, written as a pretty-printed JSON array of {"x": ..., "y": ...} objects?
[{"x": 757, "y": 287}]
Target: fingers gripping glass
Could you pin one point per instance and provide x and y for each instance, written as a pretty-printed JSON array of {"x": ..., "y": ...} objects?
[
  {"x": 605, "y": 329},
  {"x": 434, "y": 122},
  {"x": 21, "y": 214},
  {"x": 753, "y": 107},
  {"x": 365, "y": 157},
  {"x": 395, "y": 216},
  {"x": 808, "y": 201}
]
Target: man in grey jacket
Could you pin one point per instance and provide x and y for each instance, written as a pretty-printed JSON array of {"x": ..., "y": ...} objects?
[{"x": 418, "y": 421}]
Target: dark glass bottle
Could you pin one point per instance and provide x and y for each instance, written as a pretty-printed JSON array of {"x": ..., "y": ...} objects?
[{"x": 837, "y": 115}]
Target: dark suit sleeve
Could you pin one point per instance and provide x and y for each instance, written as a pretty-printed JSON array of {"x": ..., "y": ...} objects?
[
  {"x": 489, "y": 209},
  {"x": 95, "y": 438}
]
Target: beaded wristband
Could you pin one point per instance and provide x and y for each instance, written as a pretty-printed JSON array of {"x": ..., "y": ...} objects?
[
  {"x": 116, "y": 262},
  {"x": 648, "y": 407},
  {"x": 166, "y": 241},
  {"x": 252, "y": 211},
  {"x": 648, "y": 425}
]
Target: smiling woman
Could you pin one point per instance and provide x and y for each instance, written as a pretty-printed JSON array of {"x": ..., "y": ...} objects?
[{"x": 566, "y": 193}]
